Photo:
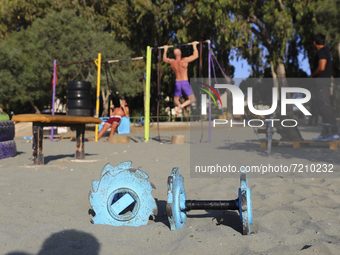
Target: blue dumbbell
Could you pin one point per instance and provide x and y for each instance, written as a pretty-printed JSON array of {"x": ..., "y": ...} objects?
[{"x": 178, "y": 206}]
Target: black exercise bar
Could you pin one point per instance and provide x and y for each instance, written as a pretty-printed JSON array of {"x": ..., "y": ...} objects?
[
  {"x": 103, "y": 62},
  {"x": 211, "y": 205}
]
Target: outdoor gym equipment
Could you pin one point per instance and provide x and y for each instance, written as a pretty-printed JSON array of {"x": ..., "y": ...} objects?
[
  {"x": 177, "y": 205},
  {"x": 39, "y": 121},
  {"x": 98, "y": 63},
  {"x": 291, "y": 134},
  {"x": 148, "y": 82},
  {"x": 122, "y": 196},
  {"x": 7, "y": 132}
]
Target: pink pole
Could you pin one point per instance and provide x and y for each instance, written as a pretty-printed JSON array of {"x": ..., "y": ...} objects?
[
  {"x": 53, "y": 94},
  {"x": 209, "y": 77}
]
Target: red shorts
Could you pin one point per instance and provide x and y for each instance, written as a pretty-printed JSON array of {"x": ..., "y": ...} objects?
[{"x": 114, "y": 119}]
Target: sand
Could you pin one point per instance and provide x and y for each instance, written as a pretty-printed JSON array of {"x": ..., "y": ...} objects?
[{"x": 45, "y": 209}]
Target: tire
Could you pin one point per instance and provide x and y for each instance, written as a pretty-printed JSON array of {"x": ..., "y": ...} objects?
[
  {"x": 79, "y": 85},
  {"x": 78, "y": 94},
  {"x": 8, "y": 149},
  {"x": 79, "y": 104},
  {"x": 80, "y": 112},
  {"x": 7, "y": 130},
  {"x": 136, "y": 122}
]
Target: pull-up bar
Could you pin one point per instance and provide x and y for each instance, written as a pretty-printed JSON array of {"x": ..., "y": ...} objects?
[
  {"x": 73, "y": 63},
  {"x": 148, "y": 82},
  {"x": 103, "y": 62},
  {"x": 121, "y": 60},
  {"x": 179, "y": 44}
]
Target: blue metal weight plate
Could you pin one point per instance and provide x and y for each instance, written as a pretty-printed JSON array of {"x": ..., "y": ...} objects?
[
  {"x": 245, "y": 205},
  {"x": 175, "y": 207},
  {"x": 122, "y": 196}
]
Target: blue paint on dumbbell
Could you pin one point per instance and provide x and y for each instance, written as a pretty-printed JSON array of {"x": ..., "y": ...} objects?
[
  {"x": 122, "y": 196},
  {"x": 176, "y": 200},
  {"x": 245, "y": 204}
]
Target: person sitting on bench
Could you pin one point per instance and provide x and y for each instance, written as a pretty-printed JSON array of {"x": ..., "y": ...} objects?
[{"x": 114, "y": 120}]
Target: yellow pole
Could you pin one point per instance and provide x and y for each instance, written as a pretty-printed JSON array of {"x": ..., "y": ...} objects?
[
  {"x": 98, "y": 63},
  {"x": 147, "y": 95}
]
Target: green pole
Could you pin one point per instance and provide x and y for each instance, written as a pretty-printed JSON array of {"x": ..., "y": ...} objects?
[{"x": 147, "y": 95}]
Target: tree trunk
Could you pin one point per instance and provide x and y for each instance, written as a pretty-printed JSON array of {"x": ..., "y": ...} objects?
[
  {"x": 281, "y": 74},
  {"x": 280, "y": 70},
  {"x": 35, "y": 107},
  {"x": 282, "y": 82},
  {"x": 106, "y": 96},
  {"x": 276, "y": 83}
]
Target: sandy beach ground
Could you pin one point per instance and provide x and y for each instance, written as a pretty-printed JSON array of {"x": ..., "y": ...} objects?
[{"x": 45, "y": 209}]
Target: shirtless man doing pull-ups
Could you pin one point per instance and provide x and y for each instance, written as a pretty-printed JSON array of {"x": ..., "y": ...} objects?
[{"x": 180, "y": 67}]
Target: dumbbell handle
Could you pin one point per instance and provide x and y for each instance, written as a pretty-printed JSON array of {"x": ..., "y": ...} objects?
[{"x": 211, "y": 205}]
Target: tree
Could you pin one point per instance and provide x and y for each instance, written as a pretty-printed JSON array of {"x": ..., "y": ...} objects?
[
  {"x": 16, "y": 15},
  {"x": 304, "y": 21},
  {"x": 146, "y": 23},
  {"x": 26, "y": 59},
  {"x": 328, "y": 22},
  {"x": 292, "y": 62},
  {"x": 214, "y": 20},
  {"x": 271, "y": 23}
]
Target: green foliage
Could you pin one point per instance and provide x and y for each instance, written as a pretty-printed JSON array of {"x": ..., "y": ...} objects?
[
  {"x": 213, "y": 20},
  {"x": 20, "y": 14},
  {"x": 328, "y": 18},
  {"x": 271, "y": 23},
  {"x": 292, "y": 62},
  {"x": 304, "y": 20},
  {"x": 26, "y": 59}
]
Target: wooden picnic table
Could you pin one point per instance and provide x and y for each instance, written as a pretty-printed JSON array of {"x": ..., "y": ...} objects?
[{"x": 43, "y": 120}]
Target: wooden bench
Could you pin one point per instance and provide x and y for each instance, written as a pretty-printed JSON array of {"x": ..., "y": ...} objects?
[
  {"x": 42, "y": 120},
  {"x": 333, "y": 145}
]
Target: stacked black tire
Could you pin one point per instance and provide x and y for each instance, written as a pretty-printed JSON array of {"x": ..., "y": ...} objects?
[
  {"x": 79, "y": 98},
  {"x": 7, "y": 144}
]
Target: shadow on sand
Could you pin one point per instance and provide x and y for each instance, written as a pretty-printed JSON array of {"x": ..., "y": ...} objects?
[{"x": 68, "y": 242}]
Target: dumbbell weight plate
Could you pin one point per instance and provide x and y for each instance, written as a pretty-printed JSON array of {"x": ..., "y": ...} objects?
[
  {"x": 245, "y": 205},
  {"x": 175, "y": 207}
]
